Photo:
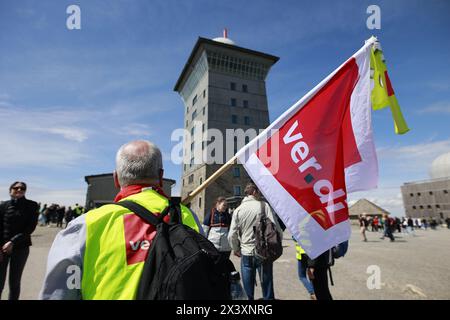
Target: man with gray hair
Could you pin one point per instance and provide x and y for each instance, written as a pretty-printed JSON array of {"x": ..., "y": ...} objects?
[{"x": 101, "y": 255}]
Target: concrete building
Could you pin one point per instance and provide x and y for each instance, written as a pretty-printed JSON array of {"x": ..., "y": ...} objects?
[
  {"x": 223, "y": 87},
  {"x": 367, "y": 207},
  {"x": 430, "y": 198},
  {"x": 101, "y": 189}
]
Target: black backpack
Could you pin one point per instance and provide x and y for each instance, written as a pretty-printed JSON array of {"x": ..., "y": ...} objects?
[
  {"x": 268, "y": 242},
  {"x": 340, "y": 250},
  {"x": 181, "y": 263}
]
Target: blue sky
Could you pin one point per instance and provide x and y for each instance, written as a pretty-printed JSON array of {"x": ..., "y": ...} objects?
[{"x": 70, "y": 98}]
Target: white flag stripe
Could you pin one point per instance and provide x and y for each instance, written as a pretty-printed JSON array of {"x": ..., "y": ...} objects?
[{"x": 362, "y": 175}]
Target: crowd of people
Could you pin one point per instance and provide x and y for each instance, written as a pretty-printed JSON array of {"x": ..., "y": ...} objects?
[
  {"x": 139, "y": 176},
  {"x": 389, "y": 225},
  {"x": 57, "y": 214}
]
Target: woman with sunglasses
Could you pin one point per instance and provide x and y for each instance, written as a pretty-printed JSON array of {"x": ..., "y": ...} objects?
[{"x": 18, "y": 219}]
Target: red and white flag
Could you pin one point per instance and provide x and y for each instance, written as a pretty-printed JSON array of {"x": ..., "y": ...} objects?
[{"x": 320, "y": 149}]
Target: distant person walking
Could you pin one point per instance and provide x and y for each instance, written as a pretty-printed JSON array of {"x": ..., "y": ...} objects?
[
  {"x": 410, "y": 226},
  {"x": 60, "y": 212},
  {"x": 363, "y": 226},
  {"x": 387, "y": 225},
  {"x": 375, "y": 224},
  {"x": 18, "y": 219},
  {"x": 68, "y": 215}
]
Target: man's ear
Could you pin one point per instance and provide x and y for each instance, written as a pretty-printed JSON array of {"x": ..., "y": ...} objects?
[
  {"x": 161, "y": 174},
  {"x": 116, "y": 180}
]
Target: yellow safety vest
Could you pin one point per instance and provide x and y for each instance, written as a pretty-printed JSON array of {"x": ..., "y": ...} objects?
[
  {"x": 299, "y": 250},
  {"x": 107, "y": 272}
]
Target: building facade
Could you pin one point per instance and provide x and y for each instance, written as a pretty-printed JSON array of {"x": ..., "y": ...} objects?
[
  {"x": 427, "y": 199},
  {"x": 101, "y": 189},
  {"x": 223, "y": 89},
  {"x": 430, "y": 198}
]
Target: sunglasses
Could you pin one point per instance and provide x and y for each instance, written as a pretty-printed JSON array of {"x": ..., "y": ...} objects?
[{"x": 19, "y": 188}]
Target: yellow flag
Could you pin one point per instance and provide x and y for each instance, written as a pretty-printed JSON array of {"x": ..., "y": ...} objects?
[{"x": 383, "y": 93}]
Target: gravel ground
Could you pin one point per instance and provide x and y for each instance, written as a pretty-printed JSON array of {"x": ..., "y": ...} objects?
[{"x": 410, "y": 268}]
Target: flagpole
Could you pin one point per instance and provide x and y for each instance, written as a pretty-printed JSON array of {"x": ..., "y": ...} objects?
[{"x": 210, "y": 180}]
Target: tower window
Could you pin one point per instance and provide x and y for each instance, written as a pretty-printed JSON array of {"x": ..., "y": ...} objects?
[
  {"x": 245, "y": 103},
  {"x": 191, "y": 178},
  {"x": 204, "y": 93},
  {"x": 418, "y": 193},
  {"x": 431, "y": 193},
  {"x": 247, "y": 121},
  {"x": 194, "y": 100},
  {"x": 411, "y": 194},
  {"x": 192, "y": 146},
  {"x": 234, "y": 119},
  {"x": 203, "y": 127},
  {"x": 236, "y": 172},
  {"x": 445, "y": 191},
  {"x": 233, "y": 86},
  {"x": 200, "y": 202},
  {"x": 204, "y": 110},
  {"x": 194, "y": 114},
  {"x": 414, "y": 207},
  {"x": 244, "y": 88},
  {"x": 233, "y": 102},
  {"x": 192, "y": 130},
  {"x": 237, "y": 190}
]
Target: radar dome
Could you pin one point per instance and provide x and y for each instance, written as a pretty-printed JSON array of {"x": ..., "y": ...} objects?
[{"x": 440, "y": 167}]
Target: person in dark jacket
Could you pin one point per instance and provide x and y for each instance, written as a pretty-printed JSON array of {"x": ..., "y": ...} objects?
[
  {"x": 317, "y": 274},
  {"x": 18, "y": 219}
]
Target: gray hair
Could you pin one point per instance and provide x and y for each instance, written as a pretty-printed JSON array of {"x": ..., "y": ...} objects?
[{"x": 138, "y": 160}]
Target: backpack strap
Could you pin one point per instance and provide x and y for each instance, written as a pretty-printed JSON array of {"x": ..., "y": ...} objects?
[
  {"x": 173, "y": 208},
  {"x": 263, "y": 209},
  {"x": 142, "y": 212}
]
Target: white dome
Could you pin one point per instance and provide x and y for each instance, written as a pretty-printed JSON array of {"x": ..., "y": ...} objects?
[
  {"x": 440, "y": 168},
  {"x": 224, "y": 40}
]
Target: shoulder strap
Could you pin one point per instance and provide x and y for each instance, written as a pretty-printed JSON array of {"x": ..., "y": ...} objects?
[
  {"x": 212, "y": 217},
  {"x": 263, "y": 209},
  {"x": 142, "y": 212}
]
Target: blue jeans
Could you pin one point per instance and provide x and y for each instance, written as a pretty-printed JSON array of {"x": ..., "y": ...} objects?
[
  {"x": 302, "y": 275},
  {"x": 249, "y": 266}
]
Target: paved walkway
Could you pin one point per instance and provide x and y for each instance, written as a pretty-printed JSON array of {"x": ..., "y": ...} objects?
[{"x": 411, "y": 267}]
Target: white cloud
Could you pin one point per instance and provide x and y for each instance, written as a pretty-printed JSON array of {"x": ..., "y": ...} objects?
[
  {"x": 442, "y": 108},
  {"x": 74, "y": 134},
  {"x": 56, "y": 144},
  {"x": 136, "y": 129},
  {"x": 413, "y": 157}
]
